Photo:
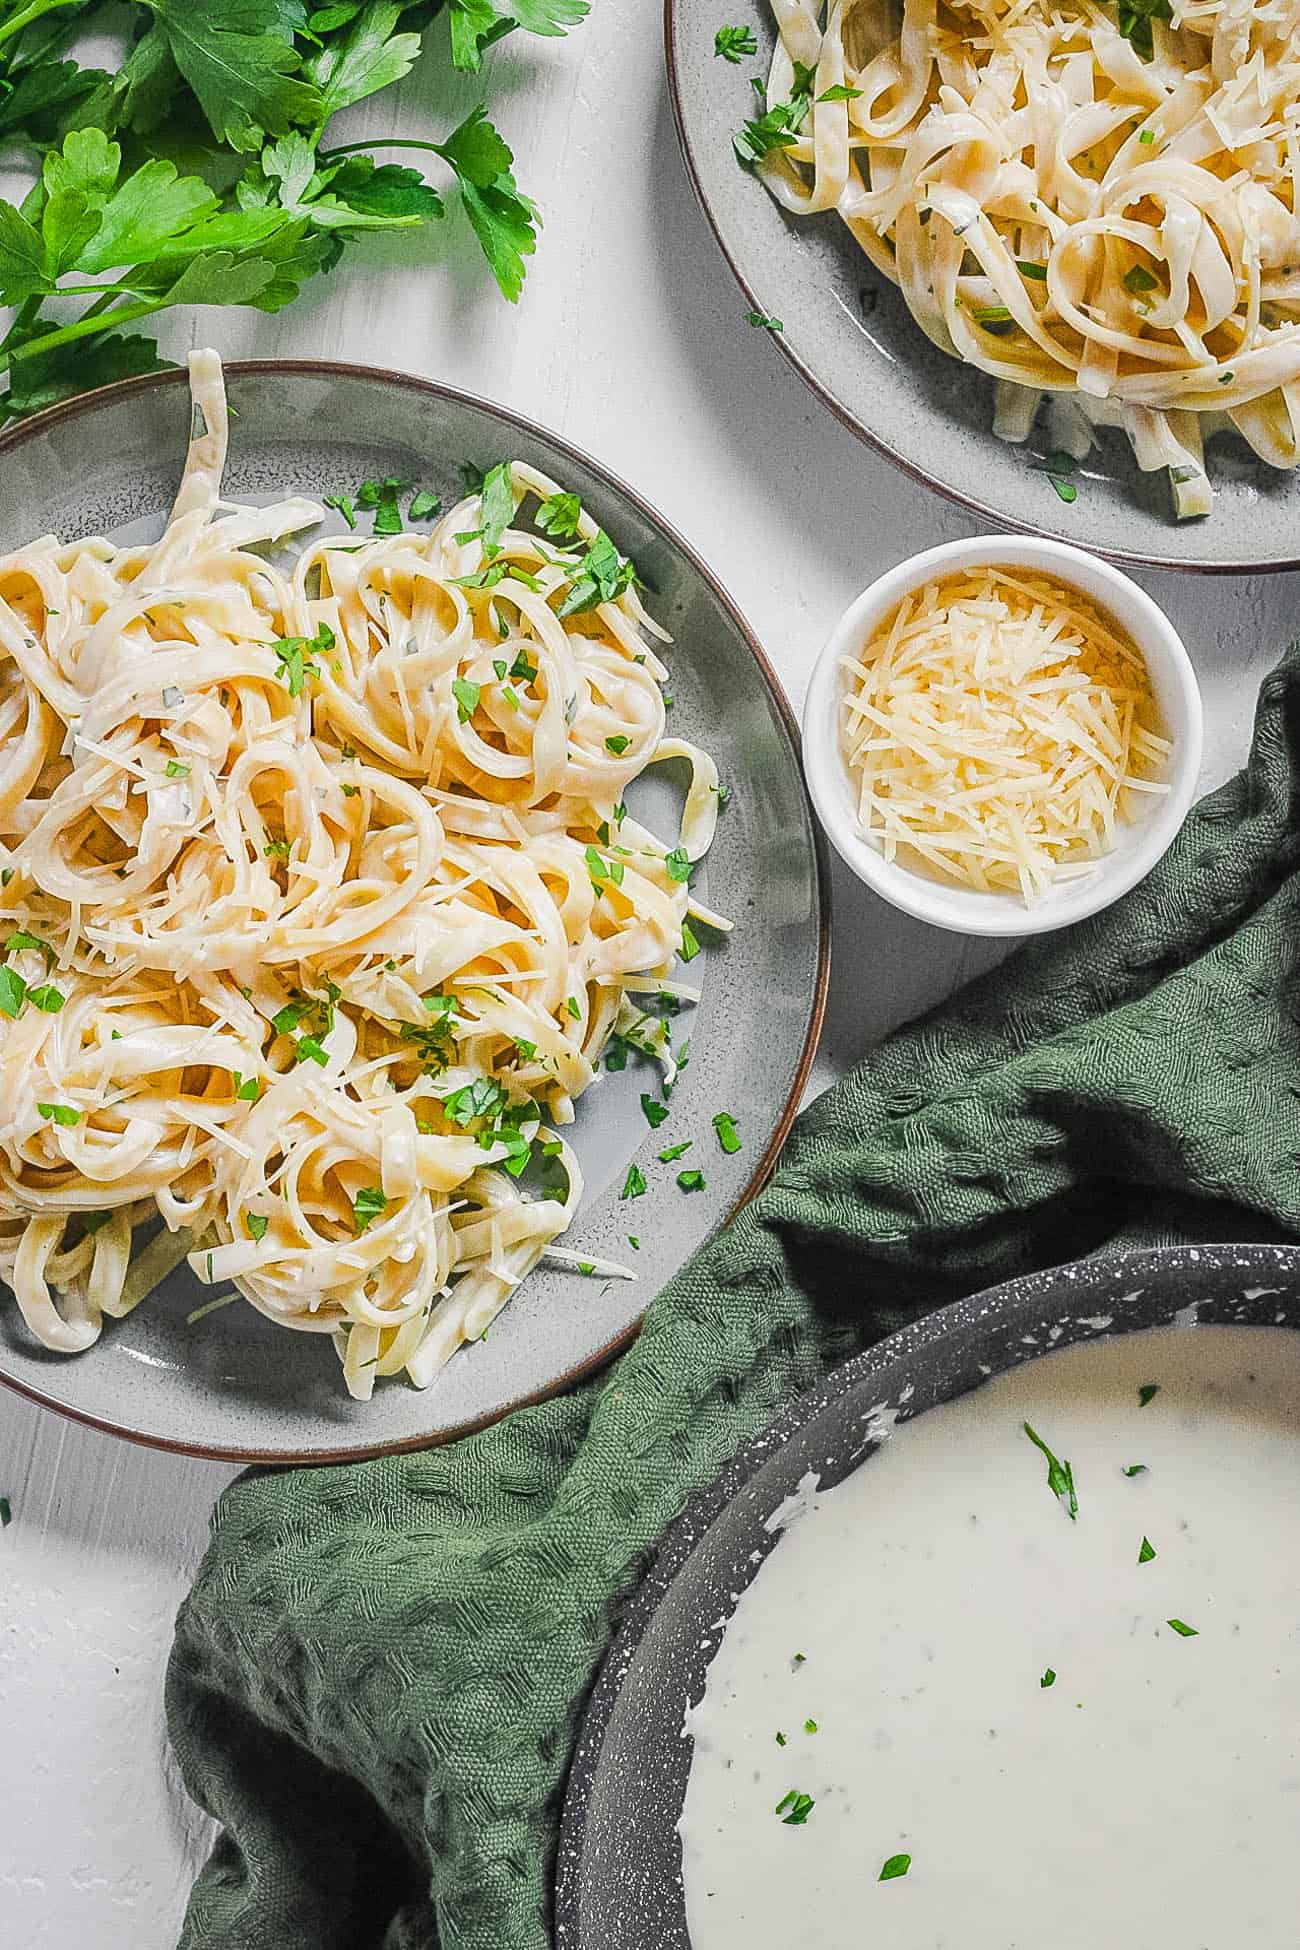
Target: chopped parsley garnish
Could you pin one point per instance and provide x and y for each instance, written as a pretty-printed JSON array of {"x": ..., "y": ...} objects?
[
  {"x": 343, "y": 503},
  {"x": 13, "y": 992},
  {"x": 1147, "y": 1551},
  {"x": 1138, "y": 279},
  {"x": 810, "y": 1726},
  {"x": 690, "y": 947},
  {"x": 733, "y": 43},
  {"x": 677, "y": 865},
  {"x": 839, "y": 93},
  {"x": 1048, "y": 1679},
  {"x": 1147, "y": 1393},
  {"x": 765, "y": 322},
  {"x": 526, "y": 1049},
  {"x": 634, "y": 1242},
  {"x": 795, "y": 1808},
  {"x": 424, "y": 506},
  {"x": 257, "y": 1224},
  {"x": 655, "y": 1112},
  {"x": 616, "y": 1054},
  {"x": 893, "y": 1867},
  {"x": 382, "y": 497},
  {"x": 691, "y": 1181},
  {"x": 603, "y": 872},
  {"x": 1146, "y": 136},
  {"x": 559, "y": 516},
  {"x": 990, "y": 314},
  {"x": 522, "y": 669},
  {"x": 634, "y": 1184},
  {"x": 247, "y": 1089},
  {"x": 63, "y": 1114},
  {"x": 1135, "y": 18},
  {"x": 351, "y": 791},
  {"x": 21, "y": 940},
  {"x": 308, "y": 1049},
  {"x": 601, "y": 576},
  {"x": 1183, "y": 1630},
  {"x": 48, "y": 998},
  {"x": 175, "y": 770},
  {"x": 368, "y": 1205},
  {"x": 776, "y": 128},
  {"x": 780, "y": 1740},
  {"x": 586, "y": 1268},
  {"x": 482, "y": 1098},
  {"x": 466, "y": 694},
  {"x": 1135, "y": 1469},
  {"x": 799, "y": 1659},
  {"x": 277, "y": 849},
  {"x": 574, "y": 1008},
  {"x": 1058, "y": 468},
  {"x": 1038, "y": 272},
  {"x": 496, "y": 508},
  {"x": 6, "y": 1512},
  {"x": 294, "y": 662},
  {"x": 725, "y": 1126},
  {"x": 1060, "y": 1477},
  {"x": 675, "y": 1151},
  {"x": 618, "y": 745}
]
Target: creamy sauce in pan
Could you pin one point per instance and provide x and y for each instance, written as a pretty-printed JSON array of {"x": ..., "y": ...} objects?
[{"x": 1148, "y": 1798}]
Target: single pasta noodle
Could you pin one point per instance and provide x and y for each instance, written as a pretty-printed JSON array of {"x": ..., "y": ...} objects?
[
  {"x": 322, "y": 902},
  {"x": 1098, "y": 206},
  {"x": 999, "y": 728}
]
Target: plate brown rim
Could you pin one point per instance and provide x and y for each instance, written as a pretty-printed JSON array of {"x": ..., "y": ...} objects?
[
  {"x": 916, "y": 472},
  {"x": 434, "y": 389}
]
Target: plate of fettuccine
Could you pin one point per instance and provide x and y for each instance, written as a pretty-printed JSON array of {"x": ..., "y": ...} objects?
[
  {"x": 1046, "y": 256},
  {"x": 413, "y": 928}
]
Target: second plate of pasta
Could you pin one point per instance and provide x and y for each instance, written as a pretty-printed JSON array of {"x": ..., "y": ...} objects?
[
  {"x": 1044, "y": 257},
  {"x": 362, "y": 792}
]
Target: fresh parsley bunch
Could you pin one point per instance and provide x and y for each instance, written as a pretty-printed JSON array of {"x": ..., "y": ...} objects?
[{"x": 198, "y": 172}]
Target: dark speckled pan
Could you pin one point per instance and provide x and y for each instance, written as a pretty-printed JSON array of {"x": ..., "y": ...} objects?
[
  {"x": 619, "y": 1875},
  {"x": 232, "y": 1385}
]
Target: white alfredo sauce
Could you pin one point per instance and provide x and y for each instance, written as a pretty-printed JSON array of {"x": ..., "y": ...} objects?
[{"x": 1148, "y": 1798}]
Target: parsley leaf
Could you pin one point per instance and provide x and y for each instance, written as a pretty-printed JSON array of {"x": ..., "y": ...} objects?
[
  {"x": 63, "y": 1114},
  {"x": 795, "y": 1808},
  {"x": 13, "y": 992},
  {"x": 733, "y": 43},
  {"x": 634, "y": 1184},
  {"x": 893, "y": 1867},
  {"x": 1060, "y": 1477},
  {"x": 257, "y": 1224},
  {"x": 691, "y": 1181},
  {"x": 655, "y": 1112},
  {"x": 559, "y": 516},
  {"x": 466, "y": 695},
  {"x": 1135, "y": 18},
  {"x": 503, "y": 220},
  {"x": 293, "y": 658},
  {"x": 368, "y": 1205},
  {"x": 238, "y": 57},
  {"x": 50, "y": 999},
  {"x": 725, "y": 1126},
  {"x": 764, "y": 321}
]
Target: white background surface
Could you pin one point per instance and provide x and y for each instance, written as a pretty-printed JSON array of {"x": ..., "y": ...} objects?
[{"x": 630, "y": 340}]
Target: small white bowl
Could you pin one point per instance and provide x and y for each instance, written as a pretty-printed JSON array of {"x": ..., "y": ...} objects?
[{"x": 1139, "y": 844}]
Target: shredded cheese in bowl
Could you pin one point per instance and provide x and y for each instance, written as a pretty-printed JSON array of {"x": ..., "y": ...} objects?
[{"x": 999, "y": 727}]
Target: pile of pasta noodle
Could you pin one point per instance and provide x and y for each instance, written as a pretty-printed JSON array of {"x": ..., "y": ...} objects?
[
  {"x": 321, "y": 901},
  {"x": 1096, "y": 202}
]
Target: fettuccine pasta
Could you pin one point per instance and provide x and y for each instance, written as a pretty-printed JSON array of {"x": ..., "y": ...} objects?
[
  {"x": 1098, "y": 204},
  {"x": 321, "y": 903}
]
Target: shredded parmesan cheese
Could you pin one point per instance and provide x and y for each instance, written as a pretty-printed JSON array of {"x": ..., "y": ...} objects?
[{"x": 1000, "y": 727}]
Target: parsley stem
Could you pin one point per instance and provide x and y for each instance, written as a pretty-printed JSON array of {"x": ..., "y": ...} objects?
[
  {"x": 26, "y": 15},
  {"x": 84, "y": 327},
  {"x": 379, "y": 142}
]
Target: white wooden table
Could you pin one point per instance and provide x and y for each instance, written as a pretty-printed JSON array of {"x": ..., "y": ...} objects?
[{"x": 631, "y": 340}]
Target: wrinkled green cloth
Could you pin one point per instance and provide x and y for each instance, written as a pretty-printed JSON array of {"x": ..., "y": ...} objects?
[{"x": 378, "y": 1678}]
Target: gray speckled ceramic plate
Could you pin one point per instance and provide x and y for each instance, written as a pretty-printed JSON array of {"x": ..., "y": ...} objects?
[
  {"x": 232, "y": 1385},
  {"x": 849, "y": 333},
  {"x": 619, "y": 1872}
]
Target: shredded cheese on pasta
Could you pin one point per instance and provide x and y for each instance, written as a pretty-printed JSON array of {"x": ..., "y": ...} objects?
[
  {"x": 999, "y": 727},
  {"x": 322, "y": 903},
  {"x": 1118, "y": 233}
]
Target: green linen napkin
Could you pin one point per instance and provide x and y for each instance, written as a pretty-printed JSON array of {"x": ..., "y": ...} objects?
[{"x": 378, "y": 1677}]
